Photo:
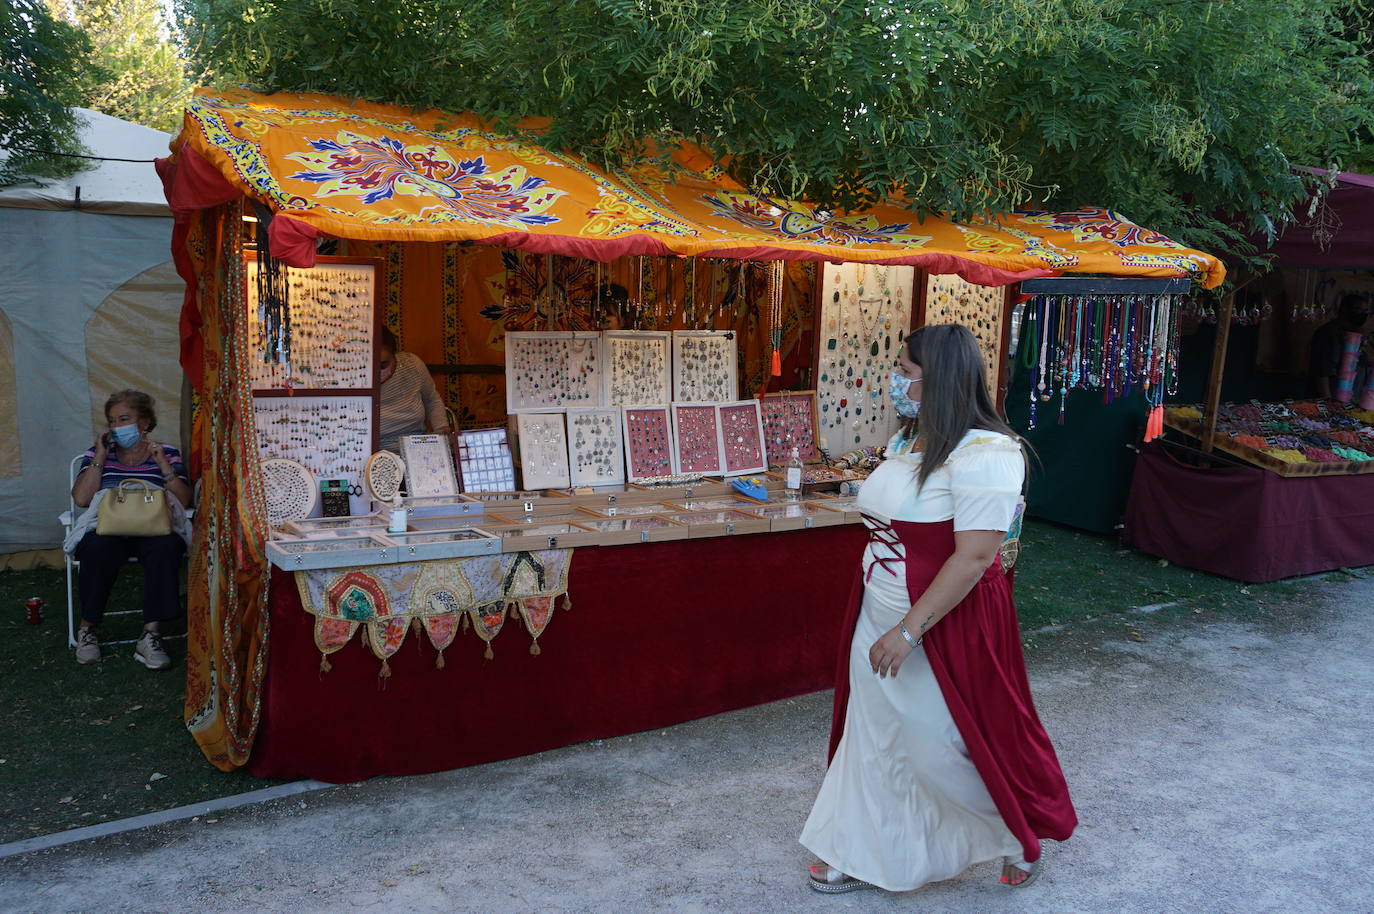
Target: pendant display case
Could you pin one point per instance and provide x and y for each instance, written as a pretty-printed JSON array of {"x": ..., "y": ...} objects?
[
  {"x": 429, "y": 466},
  {"x": 484, "y": 460},
  {"x": 596, "y": 447},
  {"x": 637, "y": 367},
  {"x": 543, "y": 450},
  {"x": 705, "y": 366},
  {"x": 741, "y": 433},
  {"x": 648, "y": 442},
  {"x": 789, "y": 420},
  {"x": 696, "y": 438},
  {"x": 547, "y": 370}
]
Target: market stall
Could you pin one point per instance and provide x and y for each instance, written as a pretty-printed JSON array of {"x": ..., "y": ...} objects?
[
  {"x": 628, "y": 584},
  {"x": 1272, "y": 488}
]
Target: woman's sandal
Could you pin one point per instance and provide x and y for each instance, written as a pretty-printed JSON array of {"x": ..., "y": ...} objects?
[
  {"x": 827, "y": 879},
  {"x": 1032, "y": 873}
]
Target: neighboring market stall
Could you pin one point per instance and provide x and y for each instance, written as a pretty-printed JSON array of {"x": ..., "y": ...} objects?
[
  {"x": 1276, "y": 486},
  {"x": 334, "y": 648}
]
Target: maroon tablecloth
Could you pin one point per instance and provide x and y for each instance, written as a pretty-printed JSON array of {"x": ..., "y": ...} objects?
[
  {"x": 1247, "y": 523},
  {"x": 657, "y": 634}
]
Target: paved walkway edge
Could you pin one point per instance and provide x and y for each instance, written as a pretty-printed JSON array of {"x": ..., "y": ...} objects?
[{"x": 43, "y": 842}]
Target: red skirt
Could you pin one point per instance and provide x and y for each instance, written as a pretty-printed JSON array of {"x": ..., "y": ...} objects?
[{"x": 975, "y": 653}]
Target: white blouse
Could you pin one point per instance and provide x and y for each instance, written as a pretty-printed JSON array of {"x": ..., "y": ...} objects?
[{"x": 978, "y": 486}]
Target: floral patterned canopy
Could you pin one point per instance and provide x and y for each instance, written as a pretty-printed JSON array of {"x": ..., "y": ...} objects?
[{"x": 374, "y": 172}]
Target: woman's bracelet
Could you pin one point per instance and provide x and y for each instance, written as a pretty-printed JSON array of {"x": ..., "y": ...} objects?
[
  {"x": 914, "y": 642},
  {"x": 169, "y": 475}
]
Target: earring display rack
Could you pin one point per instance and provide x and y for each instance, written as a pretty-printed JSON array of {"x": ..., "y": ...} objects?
[
  {"x": 429, "y": 466},
  {"x": 596, "y": 447},
  {"x": 696, "y": 436},
  {"x": 789, "y": 420},
  {"x": 866, "y": 313},
  {"x": 741, "y": 432},
  {"x": 332, "y": 321},
  {"x": 331, "y": 436},
  {"x": 543, "y": 450},
  {"x": 637, "y": 367},
  {"x": 648, "y": 441},
  {"x": 484, "y": 460},
  {"x": 705, "y": 366},
  {"x": 547, "y": 370}
]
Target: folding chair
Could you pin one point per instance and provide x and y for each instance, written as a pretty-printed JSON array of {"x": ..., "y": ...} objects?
[{"x": 68, "y": 520}]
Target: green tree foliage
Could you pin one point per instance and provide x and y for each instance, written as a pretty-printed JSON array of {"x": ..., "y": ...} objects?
[
  {"x": 39, "y": 59},
  {"x": 1172, "y": 111},
  {"x": 134, "y": 70}
]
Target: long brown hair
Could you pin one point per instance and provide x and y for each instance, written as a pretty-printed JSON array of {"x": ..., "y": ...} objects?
[{"x": 954, "y": 394}]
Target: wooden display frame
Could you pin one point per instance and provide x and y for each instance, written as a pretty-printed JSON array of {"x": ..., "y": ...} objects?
[
  {"x": 553, "y": 473},
  {"x": 726, "y": 469},
  {"x": 810, "y": 453},
  {"x": 706, "y": 524},
  {"x": 418, "y": 451},
  {"x": 615, "y": 464},
  {"x": 664, "y": 394},
  {"x": 731, "y": 385},
  {"x": 679, "y": 460},
  {"x": 633, "y": 470},
  {"x": 468, "y": 453},
  {"x": 516, "y": 405}
]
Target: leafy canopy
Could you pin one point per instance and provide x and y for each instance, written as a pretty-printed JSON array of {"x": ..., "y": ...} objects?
[
  {"x": 1172, "y": 111},
  {"x": 39, "y": 64}
]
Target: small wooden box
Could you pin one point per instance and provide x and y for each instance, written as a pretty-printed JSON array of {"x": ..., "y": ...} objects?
[
  {"x": 334, "y": 552},
  {"x": 719, "y": 523},
  {"x": 847, "y": 505},
  {"x": 796, "y": 515},
  {"x": 715, "y": 503},
  {"x": 447, "y": 544},
  {"x": 640, "y": 528},
  {"x": 630, "y": 509},
  {"x": 533, "y": 537}
]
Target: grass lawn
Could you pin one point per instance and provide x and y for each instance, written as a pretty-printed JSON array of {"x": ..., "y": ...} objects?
[{"x": 82, "y": 744}]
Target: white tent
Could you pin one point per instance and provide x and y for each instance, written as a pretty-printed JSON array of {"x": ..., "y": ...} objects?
[{"x": 89, "y": 304}]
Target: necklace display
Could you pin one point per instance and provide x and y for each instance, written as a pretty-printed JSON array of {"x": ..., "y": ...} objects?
[
  {"x": 697, "y": 432},
  {"x": 543, "y": 450},
  {"x": 865, "y": 311},
  {"x": 1118, "y": 344},
  {"x": 636, "y": 367},
  {"x": 332, "y": 436},
  {"x": 429, "y": 466},
  {"x": 705, "y": 365},
  {"x": 648, "y": 448},
  {"x": 552, "y": 369},
  {"x": 741, "y": 433},
  {"x": 789, "y": 420},
  {"x": 331, "y": 320},
  {"x": 595, "y": 447}
]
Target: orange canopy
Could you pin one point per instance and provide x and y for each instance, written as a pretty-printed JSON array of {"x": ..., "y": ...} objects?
[{"x": 375, "y": 172}]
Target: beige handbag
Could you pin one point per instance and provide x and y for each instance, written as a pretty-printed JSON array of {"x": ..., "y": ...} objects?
[{"x": 134, "y": 508}]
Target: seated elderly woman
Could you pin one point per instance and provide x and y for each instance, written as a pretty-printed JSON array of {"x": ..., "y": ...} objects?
[{"x": 126, "y": 452}]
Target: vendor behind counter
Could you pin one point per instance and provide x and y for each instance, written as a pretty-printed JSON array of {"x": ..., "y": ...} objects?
[{"x": 409, "y": 399}]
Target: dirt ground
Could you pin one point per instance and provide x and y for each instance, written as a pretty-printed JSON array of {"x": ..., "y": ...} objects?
[{"x": 1220, "y": 762}]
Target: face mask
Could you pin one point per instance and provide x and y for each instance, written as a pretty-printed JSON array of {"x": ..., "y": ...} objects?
[
  {"x": 897, "y": 389},
  {"x": 126, "y": 435}
]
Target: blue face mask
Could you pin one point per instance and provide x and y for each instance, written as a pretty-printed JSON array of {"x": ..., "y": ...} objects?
[
  {"x": 897, "y": 388},
  {"x": 126, "y": 435}
]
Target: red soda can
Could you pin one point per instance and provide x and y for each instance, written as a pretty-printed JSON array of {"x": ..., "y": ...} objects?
[{"x": 35, "y": 605}]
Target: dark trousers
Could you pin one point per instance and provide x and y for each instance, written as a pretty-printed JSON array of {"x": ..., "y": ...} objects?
[{"x": 102, "y": 557}]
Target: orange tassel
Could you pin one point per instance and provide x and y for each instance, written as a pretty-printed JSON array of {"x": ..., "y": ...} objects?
[
  {"x": 534, "y": 649},
  {"x": 325, "y": 665},
  {"x": 776, "y": 369},
  {"x": 439, "y": 661},
  {"x": 489, "y": 655}
]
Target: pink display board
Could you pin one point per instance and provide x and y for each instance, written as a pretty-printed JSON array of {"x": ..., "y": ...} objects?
[
  {"x": 648, "y": 441},
  {"x": 741, "y": 433},
  {"x": 697, "y": 436},
  {"x": 789, "y": 420}
]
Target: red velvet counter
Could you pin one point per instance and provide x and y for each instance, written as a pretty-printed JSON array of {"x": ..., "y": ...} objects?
[
  {"x": 658, "y": 633},
  {"x": 1246, "y": 523}
]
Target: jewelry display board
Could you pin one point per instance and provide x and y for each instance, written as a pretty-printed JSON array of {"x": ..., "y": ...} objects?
[
  {"x": 596, "y": 450},
  {"x": 952, "y": 300},
  {"x": 543, "y": 450},
  {"x": 636, "y": 367},
  {"x": 429, "y": 466},
  {"x": 485, "y": 461},
  {"x": 289, "y": 489},
  {"x": 865, "y": 315},
  {"x": 553, "y": 370},
  {"x": 741, "y": 434},
  {"x": 696, "y": 437},
  {"x": 648, "y": 441},
  {"x": 705, "y": 366},
  {"x": 383, "y": 476},
  {"x": 789, "y": 421},
  {"x": 330, "y": 435},
  {"x": 332, "y": 324}
]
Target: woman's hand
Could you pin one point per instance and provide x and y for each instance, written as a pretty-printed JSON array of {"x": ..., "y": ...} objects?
[
  {"x": 159, "y": 456},
  {"x": 888, "y": 653},
  {"x": 101, "y": 449}
]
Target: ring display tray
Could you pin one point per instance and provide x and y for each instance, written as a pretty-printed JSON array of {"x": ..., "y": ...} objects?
[
  {"x": 848, "y": 505},
  {"x": 443, "y": 505},
  {"x": 643, "y": 528},
  {"x": 796, "y": 515},
  {"x": 300, "y": 555},
  {"x": 450, "y": 544},
  {"x": 715, "y": 503},
  {"x": 632, "y": 509},
  {"x": 719, "y": 523},
  {"x": 441, "y": 524},
  {"x": 314, "y": 526},
  {"x": 565, "y": 516},
  {"x": 531, "y": 537}
]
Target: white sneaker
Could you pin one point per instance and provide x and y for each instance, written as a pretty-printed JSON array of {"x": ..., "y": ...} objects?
[
  {"x": 150, "y": 653},
  {"x": 87, "y": 645}
]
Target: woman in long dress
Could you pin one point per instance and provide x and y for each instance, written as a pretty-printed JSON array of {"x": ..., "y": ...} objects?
[{"x": 938, "y": 758}]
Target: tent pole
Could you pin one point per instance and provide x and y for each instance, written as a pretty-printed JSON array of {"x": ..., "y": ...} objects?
[{"x": 1209, "y": 429}]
